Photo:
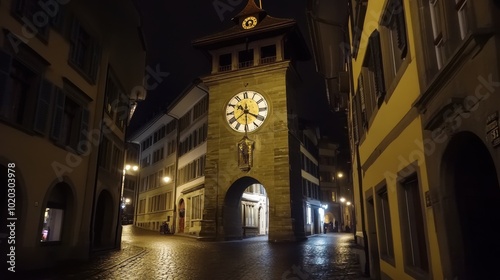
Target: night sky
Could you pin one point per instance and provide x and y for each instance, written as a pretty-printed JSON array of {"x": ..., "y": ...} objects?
[{"x": 169, "y": 28}]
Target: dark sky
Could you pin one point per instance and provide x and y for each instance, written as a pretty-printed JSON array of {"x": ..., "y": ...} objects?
[{"x": 170, "y": 27}]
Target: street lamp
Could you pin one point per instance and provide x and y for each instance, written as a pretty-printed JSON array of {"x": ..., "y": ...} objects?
[
  {"x": 167, "y": 179},
  {"x": 125, "y": 169}
]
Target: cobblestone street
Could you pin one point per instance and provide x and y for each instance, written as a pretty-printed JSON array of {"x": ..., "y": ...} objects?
[{"x": 149, "y": 255}]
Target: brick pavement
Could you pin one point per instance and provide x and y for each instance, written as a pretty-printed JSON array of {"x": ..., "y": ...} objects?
[{"x": 148, "y": 255}]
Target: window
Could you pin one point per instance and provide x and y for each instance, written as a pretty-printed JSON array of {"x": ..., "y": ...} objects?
[
  {"x": 168, "y": 201},
  {"x": 334, "y": 196},
  {"x": 32, "y": 15},
  {"x": 268, "y": 54},
  {"x": 384, "y": 226},
  {"x": 185, "y": 121},
  {"x": 158, "y": 155},
  {"x": 412, "y": 229},
  {"x": 115, "y": 101},
  {"x": 171, "y": 147},
  {"x": 142, "y": 206},
  {"x": 371, "y": 86},
  {"x": 394, "y": 36},
  {"x": 309, "y": 215},
  {"x": 70, "y": 118},
  {"x": 55, "y": 214},
  {"x": 146, "y": 161},
  {"x": 444, "y": 25},
  {"x": 25, "y": 98},
  {"x": 84, "y": 51},
  {"x": 196, "y": 207},
  {"x": 52, "y": 224},
  {"x": 245, "y": 58},
  {"x": 225, "y": 61},
  {"x": 192, "y": 170},
  {"x": 200, "y": 108}
]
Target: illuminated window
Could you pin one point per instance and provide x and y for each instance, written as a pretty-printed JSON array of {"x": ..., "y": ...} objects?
[{"x": 52, "y": 225}]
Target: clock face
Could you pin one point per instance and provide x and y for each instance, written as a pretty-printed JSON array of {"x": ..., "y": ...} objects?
[
  {"x": 249, "y": 22},
  {"x": 246, "y": 111}
]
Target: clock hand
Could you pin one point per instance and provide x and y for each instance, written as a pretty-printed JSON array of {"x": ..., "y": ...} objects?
[
  {"x": 255, "y": 115},
  {"x": 241, "y": 115}
]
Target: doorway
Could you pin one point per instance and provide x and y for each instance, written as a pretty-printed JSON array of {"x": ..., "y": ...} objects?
[{"x": 472, "y": 199}]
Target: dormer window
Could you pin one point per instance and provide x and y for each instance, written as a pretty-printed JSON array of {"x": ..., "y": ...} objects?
[
  {"x": 245, "y": 58},
  {"x": 225, "y": 62},
  {"x": 268, "y": 54}
]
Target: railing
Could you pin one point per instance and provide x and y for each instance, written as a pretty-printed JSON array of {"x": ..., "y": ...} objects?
[
  {"x": 224, "y": 68},
  {"x": 245, "y": 64},
  {"x": 269, "y": 59}
]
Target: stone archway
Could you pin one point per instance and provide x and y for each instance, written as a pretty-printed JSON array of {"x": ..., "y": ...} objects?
[
  {"x": 471, "y": 205},
  {"x": 244, "y": 217},
  {"x": 104, "y": 220}
]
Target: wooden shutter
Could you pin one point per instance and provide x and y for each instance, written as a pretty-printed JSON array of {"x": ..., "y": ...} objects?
[
  {"x": 376, "y": 57},
  {"x": 43, "y": 107},
  {"x": 400, "y": 27},
  {"x": 58, "y": 116},
  {"x": 73, "y": 37},
  {"x": 96, "y": 58},
  {"x": 83, "y": 142}
]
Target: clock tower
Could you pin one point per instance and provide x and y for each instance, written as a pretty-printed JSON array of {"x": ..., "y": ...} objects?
[{"x": 252, "y": 127}]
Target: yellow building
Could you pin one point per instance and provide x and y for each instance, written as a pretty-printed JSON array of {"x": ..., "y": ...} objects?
[
  {"x": 423, "y": 118},
  {"x": 68, "y": 72}
]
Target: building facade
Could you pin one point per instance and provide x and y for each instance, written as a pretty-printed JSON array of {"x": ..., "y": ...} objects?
[
  {"x": 423, "y": 128},
  {"x": 56, "y": 63}
]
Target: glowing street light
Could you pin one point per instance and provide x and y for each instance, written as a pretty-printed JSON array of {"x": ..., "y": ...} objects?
[
  {"x": 166, "y": 179},
  {"x": 340, "y": 174},
  {"x": 348, "y": 203},
  {"x": 125, "y": 169},
  {"x": 342, "y": 199}
]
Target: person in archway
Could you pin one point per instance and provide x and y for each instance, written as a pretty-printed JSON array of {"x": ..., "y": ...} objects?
[{"x": 336, "y": 226}]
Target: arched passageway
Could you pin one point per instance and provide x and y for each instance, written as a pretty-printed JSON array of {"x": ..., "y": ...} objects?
[
  {"x": 471, "y": 203},
  {"x": 245, "y": 209}
]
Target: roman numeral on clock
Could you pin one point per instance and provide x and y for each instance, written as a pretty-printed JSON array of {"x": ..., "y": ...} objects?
[
  {"x": 260, "y": 118},
  {"x": 245, "y": 95},
  {"x": 262, "y": 109},
  {"x": 237, "y": 98},
  {"x": 232, "y": 120}
]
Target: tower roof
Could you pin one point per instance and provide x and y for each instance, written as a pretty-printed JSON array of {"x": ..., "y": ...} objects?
[
  {"x": 250, "y": 9},
  {"x": 266, "y": 27}
]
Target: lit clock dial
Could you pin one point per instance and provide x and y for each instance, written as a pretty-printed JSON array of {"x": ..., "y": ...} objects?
[
  {"x": 246, "y": 111},
  {"x": 249, "y": 22}
]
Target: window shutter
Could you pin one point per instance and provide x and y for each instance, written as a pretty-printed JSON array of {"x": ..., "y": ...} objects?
[
  {"x": 82, "y": 146},
  {"x": 362, "y": 99},
  {"x": 43, "y": 107},
  {"x": 57, "y": 120},
  {"x": 376, "y": 56},
  {"x": 355, "y": 118},
  {"x": 73, "y": 37},
  {"x": 96, "y": 57},
  {"x": 401, "y": 28}
]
